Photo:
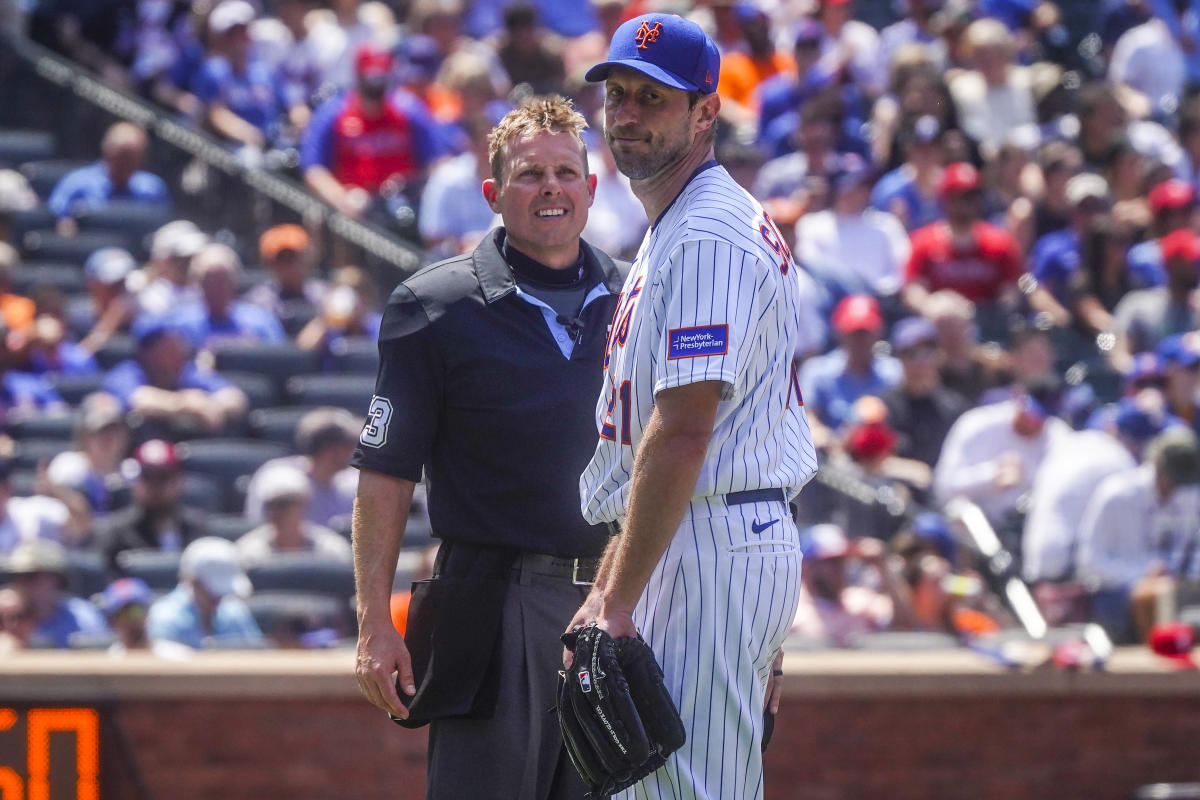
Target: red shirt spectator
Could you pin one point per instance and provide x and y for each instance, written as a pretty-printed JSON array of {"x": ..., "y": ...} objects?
[{"x": 978, "y": 268}]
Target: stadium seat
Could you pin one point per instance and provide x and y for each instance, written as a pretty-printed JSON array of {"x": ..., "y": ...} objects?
[
  {"x": 228, "y": 526},
  {"x": 44, "y": 175},
  {"x": 276, "y": 424},
  {"x": 260, "y": 389},
  {"x": 67, "y": 278},
  {"x": 46, "y": 245},
  {"x": 202, "y": 492},
  {"x": 36, "y": 218},
  {"x": 118, "y": 348},
  {"x": 288, "y": 614},
  {"x": 351, "y": 392},
  {"x": 135, "y": 221},
  {"x": 19, "y": 146},
  {"x": 248, "y": 278},
  {"x": 87, "y": 573},
  {"x": 44, "y": 426},
  {"x": 28, "y": 453},
  {"x": 278, "y": 361},
  {"x": 356, "y": 355},
  {"x": 304, "y": 572},
  {"x": 73, "y": 388},
  {"x": 158, "y": 568},
  {"x": 227, "y": 460},
  {"x": 23, "y": 482}
]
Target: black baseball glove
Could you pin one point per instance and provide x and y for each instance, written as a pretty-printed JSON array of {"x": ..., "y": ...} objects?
[{"x": 618, "y": 722}]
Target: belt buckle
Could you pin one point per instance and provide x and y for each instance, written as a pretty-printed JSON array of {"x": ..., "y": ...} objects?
[{"x": 575, "y": 574}]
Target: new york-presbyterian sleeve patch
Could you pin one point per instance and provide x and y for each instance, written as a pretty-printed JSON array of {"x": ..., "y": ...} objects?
[{"x": 705, "y": 340}]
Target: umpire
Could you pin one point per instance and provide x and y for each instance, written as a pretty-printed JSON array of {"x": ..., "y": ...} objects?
[{"x": 490, "y": 367}]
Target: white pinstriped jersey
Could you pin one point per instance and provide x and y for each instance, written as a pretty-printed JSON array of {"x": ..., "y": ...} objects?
[{"x": 712, "y": 295}]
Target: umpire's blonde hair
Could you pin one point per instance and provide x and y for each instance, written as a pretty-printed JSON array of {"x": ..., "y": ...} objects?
[{"x": 538, "y": 115}]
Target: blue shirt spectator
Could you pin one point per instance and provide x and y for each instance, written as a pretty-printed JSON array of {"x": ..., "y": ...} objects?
[
  {"x": 72, "y": 616},
  {"x": 1146, "y": 264},
  {"x": 207, "y": 605},
  {"x": 252, "y": 92},
  {"x": 241, "y": 321},
  {"x": 900, "y": 187},
  {"x": 127, "y": 377},
  {"x": 38, "y": 568},
  {"x": 118, "y": 175},
  {"x": 27, "y": 392}
]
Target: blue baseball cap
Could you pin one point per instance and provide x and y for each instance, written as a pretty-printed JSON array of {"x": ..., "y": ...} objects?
[
  {"x": 124, "y": 592},
  {"x": 148, "y": 328},
  {"x": 666, "y": 48},
  {"x": 1180, "y": 349}
]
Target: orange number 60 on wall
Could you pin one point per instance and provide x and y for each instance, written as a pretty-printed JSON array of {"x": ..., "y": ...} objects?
[{"x": 40, "y": 723}]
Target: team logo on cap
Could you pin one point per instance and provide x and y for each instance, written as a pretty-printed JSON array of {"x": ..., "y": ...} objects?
[{"x": 647, "y": 34}]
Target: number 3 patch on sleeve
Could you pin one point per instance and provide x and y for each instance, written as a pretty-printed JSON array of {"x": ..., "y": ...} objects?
[{"x": 374, "y": 432}]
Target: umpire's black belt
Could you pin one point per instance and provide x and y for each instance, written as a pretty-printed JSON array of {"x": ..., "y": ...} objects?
[
  {"x": 733, "y": 499},
  {"x": 456, "y": 559}
]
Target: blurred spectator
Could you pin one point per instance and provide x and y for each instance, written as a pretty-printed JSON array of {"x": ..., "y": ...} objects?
[
  {"x": 1148, "y": 60},
  {"x": 362, "y": 154},
  {"x": 1030, "y": 355},
  {"x": 870, "y": 449},
  {"x": 35, "y": 518},
  {"x": 978, "y": 260},
  {"x": 219, "y": 317},
  {"x": 851, "y": 248},
  {"x": 529, "y": 53},
  {"x": 994, "y": 97},
  {"x": 337, "y": 32},
  {"x": 792, "y": 184},
  {"x": 830, "y": 383},
  {"x": 1103, "y": 278},
  {"x": 284, "y": 492},
  {"x": 1126, "y": 170},
  {"x": 243, "y": 101},
  {"x": 16, "y": 196},
  {"x": 910, "y": 191},
  {"x": 1057, "y": 257},
  {"x": 164, "y": 385},
  {"x": 992, "y": 452},
  {"x": 936, "y": 599},
  {"x": 16, "y": 311},
  {"x": 110, "y": 308},
  {"x": 1059, "y": 162},
  {"x": 850, "y": 47},
  {"x": 346, "y": 312},
  {"x": 744, "y": 70},
  {"x": 1179, "y": 360},
  {"x": 286, "y": 251},
  {"x": 325, "y": 439},
  {"x": 454, "y": 216},
  {"x": 1172, "y": 204},
  {"x": 163, "y": 286},
  {"x": 16, "y": 621},
  {"x": 1145, "y": 316},
  {"x": 207, "y": 607},
  {"x": 831, "y": 608},
  {"x": 788, "y": 90},
  {"x": 94, "y": 469},
  {"x": 38, "y": 569},
  {"x": 22, "y": 394},
  {"x": 125, "y": 603},
  {"x": 920, "y": 409},
  {"x": 1138, "y": 523},
  {"x": 293, "y": 58},
  {"x": 156, "y": 519},
  {"x": 118, "y": 175},
  {"x": 918, "y": 26},
  {"x": 46, "y": 350}
]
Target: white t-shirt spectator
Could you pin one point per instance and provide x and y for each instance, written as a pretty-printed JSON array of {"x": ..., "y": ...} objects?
[
  {"x": 29, "y": 518},
  {"x": 452, "y": 205},
  {"x": 1062, "y": 488},
  {"x": 326, "y": 504},
  {"x": 258, "y": 546},
  {"x": 865, "y": 253},
  {"x": 990, "y": 113},
  {"x": 1148, "y": 58}
]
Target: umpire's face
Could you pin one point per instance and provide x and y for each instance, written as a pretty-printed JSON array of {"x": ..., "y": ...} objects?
[{"x": 543, "y": 194}]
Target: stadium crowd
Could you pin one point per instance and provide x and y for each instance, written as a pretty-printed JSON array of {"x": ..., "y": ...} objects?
[{"x": 993, "y": 203}]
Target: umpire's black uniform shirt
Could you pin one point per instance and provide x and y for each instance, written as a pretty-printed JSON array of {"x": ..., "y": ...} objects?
[{"x": 474, "y": 390}]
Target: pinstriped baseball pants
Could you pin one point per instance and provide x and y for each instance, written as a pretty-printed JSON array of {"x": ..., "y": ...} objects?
[{"x": 716, "y": 609}]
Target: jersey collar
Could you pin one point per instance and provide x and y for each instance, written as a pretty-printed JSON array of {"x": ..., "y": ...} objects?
[
  {"x": 712, "y": 162},
  {"x": 496, "y": 279}
]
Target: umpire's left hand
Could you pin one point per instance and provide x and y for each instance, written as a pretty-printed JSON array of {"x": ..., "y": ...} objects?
[{"x": 382, "y": 656}]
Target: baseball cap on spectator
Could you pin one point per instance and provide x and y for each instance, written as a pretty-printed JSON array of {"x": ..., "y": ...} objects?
[
  {"x": 1086, "y": 186},
  {"x": 1180, "y": 349},
  {"x": 230, "y": 14},
  {"x": 1176, "y": 456},
  {"x": 1170, "y": 195},
  {"x": 1141, "y": 418},
  {"x": 932, "y": 527},
  {"x": 178, "y": 239},
  {"x": 375, "y": 62},
  {"x": 871, "y": 440},
  {"x": 282, "y": 481},
  {"x": 960, "y": 178},
  {"x": 122, "y": 593},
  {"x": 213, "y": 563},
  {"x": 282, "y": 237},
  {"x": 1144, "y": 370},
  {"x": 15, "y": 192},
  {"x": 156, "y": 455},
  {"x": 97, "y": 411},
  {"x": 853, "y": 170},
  {"x": 912, "y": 331},
  {"x": 1181, "y": 245},
  {"x": 1174, "y": 640},
  {"x": 38, "y": 556},
  {"x": 109, "y": 265},
  {"x": 825, "y": 540},
  {"x": 666, "y": 48},
  {"x": 149, "y": 328},
  {"x": 420, "y": 56},
  {"x": 808, "y": 32},
  {"x": 857, "y": 312}
]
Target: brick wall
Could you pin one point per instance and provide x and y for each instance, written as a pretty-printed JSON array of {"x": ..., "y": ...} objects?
[{"x": 856, "y": 748}]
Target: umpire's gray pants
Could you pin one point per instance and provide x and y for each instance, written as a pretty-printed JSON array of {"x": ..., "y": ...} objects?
[{"x": 517, "y": 754}]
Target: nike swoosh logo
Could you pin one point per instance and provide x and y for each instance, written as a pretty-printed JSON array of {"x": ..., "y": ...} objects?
[{"x": 759, "y": 527}]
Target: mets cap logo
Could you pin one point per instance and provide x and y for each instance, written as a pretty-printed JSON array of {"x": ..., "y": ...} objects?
[{"x": 647, "y": 34}]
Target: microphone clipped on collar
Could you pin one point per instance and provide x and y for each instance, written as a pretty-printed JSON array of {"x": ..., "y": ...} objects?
[{"x": 574, "y": 326}]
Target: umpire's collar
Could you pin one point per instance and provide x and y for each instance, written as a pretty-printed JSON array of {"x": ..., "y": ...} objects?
[{"x": 496, "y": 279}]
